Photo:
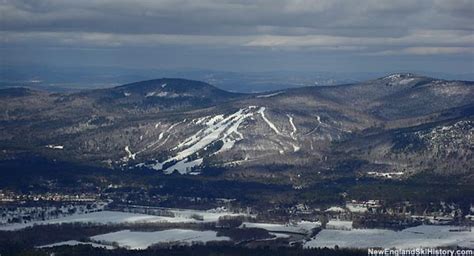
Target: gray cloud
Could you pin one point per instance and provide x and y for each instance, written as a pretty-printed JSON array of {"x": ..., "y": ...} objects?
[
  {"x": 369, "y": 27},
  {"x": 221, "y": 17}
]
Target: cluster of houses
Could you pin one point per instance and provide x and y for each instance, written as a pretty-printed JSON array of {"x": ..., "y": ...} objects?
[
  {"x": 21, "y": 214},
  {"x": 361, "y": 214},
  {"x": 11, "y": 197},
  {"x": 377, "y": 213}
]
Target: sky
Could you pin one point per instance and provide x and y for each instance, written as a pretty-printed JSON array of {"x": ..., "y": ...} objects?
[{"x": 241, "y": 35}]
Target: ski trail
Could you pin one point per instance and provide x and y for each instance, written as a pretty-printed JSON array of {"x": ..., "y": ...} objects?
[
  {"x": 292, "y": 134},
  {"x": 318, "y": 118},
  {"x": 218, "y": 128},
  {"x": 261, "y": 111}
]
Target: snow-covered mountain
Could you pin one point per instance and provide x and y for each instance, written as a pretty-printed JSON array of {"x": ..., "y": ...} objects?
[{"x": 190, "y": 127}]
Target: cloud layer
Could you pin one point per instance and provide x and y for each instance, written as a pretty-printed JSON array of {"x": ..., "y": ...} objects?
[{"x": 364, "y": 28}]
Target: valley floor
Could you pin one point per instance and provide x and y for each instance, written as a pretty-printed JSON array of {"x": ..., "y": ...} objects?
[{"x": 115, "y": 231}]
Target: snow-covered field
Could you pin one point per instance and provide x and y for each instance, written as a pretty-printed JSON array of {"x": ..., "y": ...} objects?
[
  {"x": 426, "y": 236},
  {"x": 300, "y": 227},
  {"x": 339, "y": 224},
  {"x": 142, "y": 240},
  {"x": 114, "y": 217},
  {"x": 211, "y": 215},
  {"x": 335, "y": 209}
]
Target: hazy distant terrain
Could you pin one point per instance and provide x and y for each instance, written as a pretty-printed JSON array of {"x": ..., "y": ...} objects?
[{"x": 71, "y": 79}]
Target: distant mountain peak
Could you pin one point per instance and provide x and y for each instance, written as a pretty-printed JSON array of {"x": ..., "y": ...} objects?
[
  {"x": 171, "y": 88},
  {"x": 397, "y": 76},
  {"x": 402, "y": 79},
  {"x": 168, "y": 84}
]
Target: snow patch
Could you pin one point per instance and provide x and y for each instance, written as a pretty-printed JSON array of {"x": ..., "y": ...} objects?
[
  {"x": 164, "y": 94},
  {"x": 214, "y": 120},
  {"x": 200, "y": 120},
  {"x": 386, "y": 175},
  {"x": 74, "y": 243},
  {"x": 269, "y": 95},
  {"x": 55, "y": 146},
  {"x": 161, "y": 94},
  {"x": 150, "y": 94},
  {"x": 183, "y": 166},
  {"x": 130, "y": 155},
  {"x": 406, "y": 81},
  {"x": 400, "y": 79},
  {"x": 279, "y": 235},
  {"x": 296, "y": 148},
  {"x": 359, "y": 208},
  {"x": 335, "y": 209}
]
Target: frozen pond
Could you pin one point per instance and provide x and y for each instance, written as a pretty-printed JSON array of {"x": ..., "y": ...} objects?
[{"x": 142, "y": 240}]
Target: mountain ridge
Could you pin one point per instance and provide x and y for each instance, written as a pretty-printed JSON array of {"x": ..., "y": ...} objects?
[{"x": 185, "y": 126}]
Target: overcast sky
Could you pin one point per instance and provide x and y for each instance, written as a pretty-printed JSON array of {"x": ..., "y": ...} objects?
[{"x": 242, "y": 35}]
